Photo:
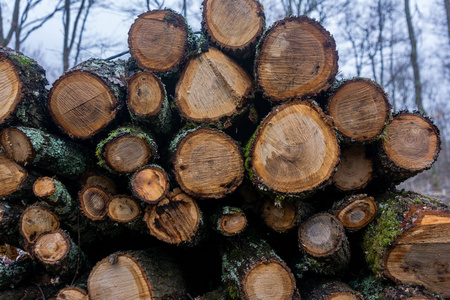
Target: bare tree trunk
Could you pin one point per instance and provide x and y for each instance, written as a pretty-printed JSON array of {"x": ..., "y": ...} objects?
[
  {"x": 447, "y": 10},
  {"x": 414, "y": 60}
]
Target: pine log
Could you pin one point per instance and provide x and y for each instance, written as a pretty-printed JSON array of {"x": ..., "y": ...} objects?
[
  {"x": 59, "y": 254},
  {"x": 355, "y": 212},
  {"x": 30, "y": 146},
  {"x": 233, "y": 26},
  {"x": 136, "y": 275},
  {"x": 297, "y": 57},
  {"x": 212, "y": 88},
  {"x": 331, "y": 290},
  {"x": 123, "y": 209},
  {"x": 360, "y": 110},
  {"x": 126, "y": 149},
  {"x": 229, "y": 221},
  {"x": 411, "y": 145},
  {"x": 147, "y": 102},
  {"x": 150, "y": 184},
  {"x": 72, "y": 293},
  {"x": 322, "y": 239},
  {"x": 12, "y": 176},
  {"x": 406, "y": 292},
  {"x": 294, "y": 151},
  {"x": 409, "y": 241},
  {"x": 36, "y": 219},
  {"x": 282, "y": 216},
  {"x": 23, "y": 94},
  {"x": 160, "y": 40},
  {"x": 87, "y": 98},
  {"x": 207, "y": 163},
  {"x": 94, "y": 202},
  {"x": 254, "y": 271},
  {"x": 355, "y": 169}
]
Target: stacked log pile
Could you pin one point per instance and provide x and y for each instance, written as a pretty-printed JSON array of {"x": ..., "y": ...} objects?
[{"x": 226, "y": 165}]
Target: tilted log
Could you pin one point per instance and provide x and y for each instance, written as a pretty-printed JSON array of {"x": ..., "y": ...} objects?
[
  {"x": 150, "y": 184},
  {"x": 356, "y": 211},
  {"x": 16, "y": 272}
]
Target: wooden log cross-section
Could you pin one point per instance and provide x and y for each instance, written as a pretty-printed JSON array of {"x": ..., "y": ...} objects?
[{"x": 150, "y": 184}]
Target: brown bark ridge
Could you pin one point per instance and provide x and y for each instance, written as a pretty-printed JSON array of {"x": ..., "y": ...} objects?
[
  {"x": 159, "y": 40},
  {"x": 175, "y": 219},
  {"x": 123, "y": 209},
  {"x": 355, "y": 169},
  {"x": 254, "y": 271},
  {"x": 360, "y": 110},
  {"x": 150, "y": 184},
  {"x": 126, "y": 149},
  {"x": 213, "y": 88},
  {"x": 136, "y": 275},
  {"x": 12, "y": 176},
  {"x": 411, "y": 145},
  {"x": 72, "y": 293},
  {"x": 282, "y": 216},
  {"x": 23, "y": 94},
  {"x": 207, "y": 163},
  {"x": 331, "y": 290},
  {"x": 94, "y": 202},
  {"x": 234, "y": 26},
  {"x": 407, "y": 292},
  {"x": 35, "y": 220},
  {"x": 87, "y": 98},
  {"x": 296, "y": 58},
  {"x": 322, "y": 239},
  {"x": 294, "y": 151},
  {"x": 229, "y": 221},
  {"x": 31, "y": 146},
  {"x": 59, "y": 254},
  {"x": 356, "y": 211},
  {"x": 409, "y": 241}
]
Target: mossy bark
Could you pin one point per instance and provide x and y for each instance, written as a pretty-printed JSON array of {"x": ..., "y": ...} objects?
[
  {"x": 9, "y": 223},
  {"x": 16, "y": 272}
]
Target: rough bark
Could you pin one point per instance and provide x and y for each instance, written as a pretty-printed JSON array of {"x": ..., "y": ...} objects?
[
  {"x": 9, "y": 223},
  {"x": 16, "y": 272},
  {"x": 355, "y": 212},
  {"x": 150, "y": 184}
]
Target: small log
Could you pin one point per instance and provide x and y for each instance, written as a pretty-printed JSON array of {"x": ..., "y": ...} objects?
[
  {"x": 322, "y": 239},
  {"x": 150, "y": 184},
  {"x": 123, "y": 209},
  {"x": 13, "y": 177},
  {"x": 229, "y": 221},
  {"x": 136, "y": 275},
  {"x": 87, "y": 98},
  {"x": 159, "y": 40},
  {"x": 30, "y": 146},
  {"x": 409, "y": 241},
  {"x": 94, "y": 202},
  {"x": 356, "y": 211},
  {"x": 98, "y": 178},
  {"x": 234, "y": 26},
  {"x": 297, "y": 58},
  {"x": 282, "y": 216},
  {"x": 147, "y": 102},
  {"x": 411, "y": 145},
  {"x": 255, "y": 271},
  {"x": 23, "y": 95},
  {"x": 59, "y": 254},
  {"x": 294, "y": 151},
  {"x": 360, "y": 110},
  {"x": 175, "y": 219},
  {"x": 207, "y": 163},
  {"x": 126, "y": 149},
  {"x": 35, "y": 220},
  {"x": 330, "y": 290},
  {"x": 355, "y": 169},
  {"x": 72, "y": 293}
]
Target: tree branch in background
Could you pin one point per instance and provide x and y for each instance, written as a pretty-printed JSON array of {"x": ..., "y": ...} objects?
[{"x": 447, "y": 11}]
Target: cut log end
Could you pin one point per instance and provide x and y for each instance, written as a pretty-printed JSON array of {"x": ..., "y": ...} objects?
[
  {"x": 233, "y": 223},
  {"x": 280, "y": 218},
  {"x": 94, "y": 202},
  {"x": 269, "y": 280},
  {"x": 44, "y": 187},
  {"x": 412, "y": 142},
  {"x": 295, "y": 150},
  {"x": 11, "y": 91},
  {"x": 36, "y": 220},
  {"x": 360, "y": 109},
  {"x": 52, "y": 247},
  {"x": 145, "y": 95},
  {"x": 233, "y": 25},
  {"x": 158, "y": 40},
  {"x": 81, "y": 104},
  {"x": 355, "y": 169},
  {"x": 297, "y": 58},
  {"x": 101, "y": 180},
  {"x": 12, "y": 176},
  {"x": 212, "y": 86},
  {"x": 208, "y": 164},
  {"x": 123, "y": 209},
  {"x": 150, "y": 184},
  {"x": 72, "y": 293},
  {"x": 17, "y": 146},
  {"x": 126, "y": 154},
  {"x": 357, "y": 212},
  {"x": 321, "y": 235}
]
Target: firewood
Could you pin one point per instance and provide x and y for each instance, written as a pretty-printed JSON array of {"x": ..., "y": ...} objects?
[
  {"x": 72, "y": 293},
  {"x": 356, "y": 211},
  {"x": 207, "y": 163},
  {"x": 123, "y": 209},
  {"x": 212, "y": 88},
  {"x": 330, "y": 290},
  {"x": 136, "y": 275},
  {"x": 94, "y": 202},
  {"x": 409, "y": 241},
  {"x": 283, "y": 216},
  {"x": 87, "y": 98},
  {"x": 229, "y": 221},
  {"x": 150, "y": 184},
  {"x": 234, "y": 26},
  {"x": 360, "y": 110},
  {"x": 97, "y": 177},
  {"x": 294, "y": 151},
  {"x": 297, "y": 57},
  {"x": 13, "y": 177}
]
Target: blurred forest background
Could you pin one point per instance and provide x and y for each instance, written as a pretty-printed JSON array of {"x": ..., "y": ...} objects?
[{"x": 404, "y": 45}]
